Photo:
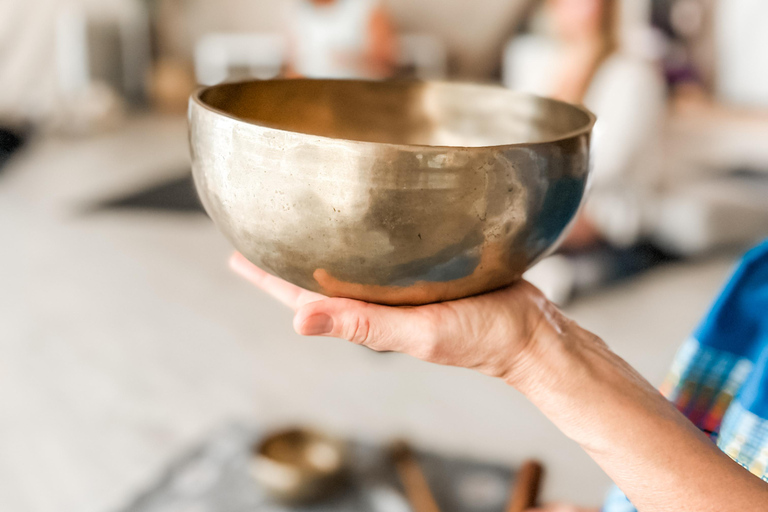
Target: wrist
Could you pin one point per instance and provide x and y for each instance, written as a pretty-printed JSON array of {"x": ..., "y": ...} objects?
[
  {"x": 589, "y": 392},
  {"x": 572, "y": 376},
  {"x": 553, "y": 356}
]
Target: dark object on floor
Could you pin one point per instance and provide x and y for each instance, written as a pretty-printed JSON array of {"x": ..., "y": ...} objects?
[
  {"x": 412, "y": 478},
  {"x": 604, "y": 265},
  {"x": 11, "y": 140},
  {"x": 215, "y": 477},
  {"x": 177, "y": 194},
  {"x": 525, "y": 492}
]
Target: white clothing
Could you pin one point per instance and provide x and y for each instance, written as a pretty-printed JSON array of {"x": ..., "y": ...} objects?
[
  {"x": 741, "y": 34},
  {"x": 28, "y": 72},
  {"x": 627, "y": 94},
  {"x": 44, "y": 61},
  {"x": 330, "y": 41}
]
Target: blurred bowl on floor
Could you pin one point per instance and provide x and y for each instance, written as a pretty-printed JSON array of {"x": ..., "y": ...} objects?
[
  {"x": 391, "y": 192},
  {"x": 298, "y": 464}
]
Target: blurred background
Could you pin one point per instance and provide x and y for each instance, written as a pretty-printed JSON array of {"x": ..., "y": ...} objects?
[{"x": 126, "y": 344}]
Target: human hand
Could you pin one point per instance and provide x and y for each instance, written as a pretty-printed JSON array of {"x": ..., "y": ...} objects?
[
  {"x": 644, "y": 444},
  {"x": 491, "y": 333}
]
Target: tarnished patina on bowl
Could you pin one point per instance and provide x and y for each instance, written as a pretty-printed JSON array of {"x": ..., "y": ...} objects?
[{"x": 390, "y": 192}]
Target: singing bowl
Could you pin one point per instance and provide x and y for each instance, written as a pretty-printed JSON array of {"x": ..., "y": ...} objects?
[
  {"x": 297, "y": 464},
  {"x": 401, "y": 192}
]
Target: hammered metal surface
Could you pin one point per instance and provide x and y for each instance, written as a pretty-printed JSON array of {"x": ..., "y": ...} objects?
[{"x": 390, "y": 192}]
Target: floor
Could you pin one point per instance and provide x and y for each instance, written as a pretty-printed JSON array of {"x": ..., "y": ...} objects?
[{"x": 124, "y": 338}]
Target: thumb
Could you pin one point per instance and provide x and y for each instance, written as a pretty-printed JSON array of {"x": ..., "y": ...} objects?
[{"x": 382, "y": 328}]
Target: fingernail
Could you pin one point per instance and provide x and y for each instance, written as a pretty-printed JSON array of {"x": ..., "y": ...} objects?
[{"x": 316, "y": 325}]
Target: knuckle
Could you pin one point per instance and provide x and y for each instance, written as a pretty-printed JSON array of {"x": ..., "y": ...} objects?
[
  {"x": 426, "y": 352},
  {"x": 429, "y": 345},
  {"x": 358, "y": 330}
]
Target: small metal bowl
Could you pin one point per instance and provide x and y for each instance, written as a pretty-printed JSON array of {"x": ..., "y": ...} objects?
[
  {"x": 298, "y": 465},
  {"x": 389, "y": 192}
]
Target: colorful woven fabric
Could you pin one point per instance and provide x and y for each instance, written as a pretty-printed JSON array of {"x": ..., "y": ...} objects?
[{"x": 719, "y": 378}]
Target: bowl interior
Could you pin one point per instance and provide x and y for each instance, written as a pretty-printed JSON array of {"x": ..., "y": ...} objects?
[{"x": 403, "y": 112}]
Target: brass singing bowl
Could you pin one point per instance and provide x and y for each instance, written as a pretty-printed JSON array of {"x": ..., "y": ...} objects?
[
  {"x": 298, "y": 464},
  {"x": 398, "y": 192}
]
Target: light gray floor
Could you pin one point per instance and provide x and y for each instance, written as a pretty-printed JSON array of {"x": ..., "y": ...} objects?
[{"x": 124, "y": 337}]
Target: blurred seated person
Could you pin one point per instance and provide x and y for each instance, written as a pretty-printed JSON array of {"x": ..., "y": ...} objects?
[
  {"x": 583, "y": 62},
  {"x": 341, "y": 39}
]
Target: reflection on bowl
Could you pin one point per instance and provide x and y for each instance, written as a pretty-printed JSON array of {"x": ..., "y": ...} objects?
[{"x": 391, "y": 192}]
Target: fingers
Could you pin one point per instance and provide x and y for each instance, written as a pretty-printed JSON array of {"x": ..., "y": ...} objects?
[
  {"x": 289, "y": 294},
  {"x": 381, "y": 328}
]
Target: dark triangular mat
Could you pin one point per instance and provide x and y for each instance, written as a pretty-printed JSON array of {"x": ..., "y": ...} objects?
[
  {"x": 11, "y": 140},
  {"x": 177, "y": 195}
]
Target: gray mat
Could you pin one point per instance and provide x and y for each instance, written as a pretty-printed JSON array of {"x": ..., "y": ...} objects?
[
  {"x": 171, "y": 195},
  {"x": 214, "y": 478}
]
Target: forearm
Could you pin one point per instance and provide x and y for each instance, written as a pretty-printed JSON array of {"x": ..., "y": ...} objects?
[{"x": 652, "y": 452}]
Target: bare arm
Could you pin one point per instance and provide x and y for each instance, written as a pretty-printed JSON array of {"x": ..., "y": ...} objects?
[
  {"x": 654, "y": 454},
  {"x": 651, "y": 451}
]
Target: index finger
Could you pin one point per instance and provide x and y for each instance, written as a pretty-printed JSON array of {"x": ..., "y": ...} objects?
[{"x": 289, "y": 294}]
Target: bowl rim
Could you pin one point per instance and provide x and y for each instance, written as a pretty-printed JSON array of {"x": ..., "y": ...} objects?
[{"x": 196, "y": 98}]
